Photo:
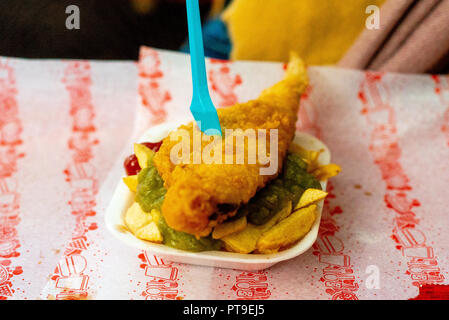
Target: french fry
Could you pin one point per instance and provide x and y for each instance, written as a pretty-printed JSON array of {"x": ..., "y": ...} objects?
[
  {"x": 287, "y": 231},
  {"x": 150, "y": 232},
  {"x": 143, "y": 154},
  {"x": 326, "y": 172},
  {"x": 228, "y": 228},
  {"x": 136, "y": 218},
  {"x": 309, "y": 156},
  {"x": 310, "y": 196},
  {"x": 156, "y": 214},
  {"x": 245, "y": 241},
  {"x": 141, "y": 224},
  {"x": 131, "y": 182}
]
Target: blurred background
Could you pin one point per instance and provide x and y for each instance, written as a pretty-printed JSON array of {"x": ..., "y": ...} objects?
[
  {"x": 108, "y": 29},
  {"x": 411, "y": 35}
]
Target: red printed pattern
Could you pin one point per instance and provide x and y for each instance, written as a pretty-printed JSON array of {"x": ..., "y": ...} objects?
[
  {"x": 338, "y": 275},
  {"x": 153, "y": 96},
  {"x": 223, "y": 83},
  {"x": 248, "y": 285},
  {"x": 162, "y": 284},
  {"x": 10, "y": 130},
  {"x": 422, "y": 265},
  {"x": 251, "y": 286},
  {"x": 433, "y": 292},
  {"x": 70, "y": 277},
  {"x": 442, "y": 90}
]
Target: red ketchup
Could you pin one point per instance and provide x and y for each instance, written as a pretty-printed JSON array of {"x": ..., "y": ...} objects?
[{"x": 132, "y": 165}]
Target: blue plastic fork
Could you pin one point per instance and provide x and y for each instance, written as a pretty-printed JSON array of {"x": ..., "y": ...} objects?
[{"x": 201, "y": 107}]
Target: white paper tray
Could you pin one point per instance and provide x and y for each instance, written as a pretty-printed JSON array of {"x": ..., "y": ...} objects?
[{"x": 123, "y": 198}]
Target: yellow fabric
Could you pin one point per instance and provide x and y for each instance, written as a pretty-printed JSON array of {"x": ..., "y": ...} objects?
[{"x": 319, "y": 30}]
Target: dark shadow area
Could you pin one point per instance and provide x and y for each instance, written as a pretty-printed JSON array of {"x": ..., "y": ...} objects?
[{"x": 110, "y": 29}]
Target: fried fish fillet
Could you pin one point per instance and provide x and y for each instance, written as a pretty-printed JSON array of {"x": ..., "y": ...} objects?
[{"x": 197, "y": 192}]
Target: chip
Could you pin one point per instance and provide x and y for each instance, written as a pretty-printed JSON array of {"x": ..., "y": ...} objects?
[
  {"x": 131, "y": 182},
  {"x": 288, "y": 230},
  {"x": 156, "y": 214},
  {"x": 309, "y": 156},
  {"x": 136, "y": 218},
  {"x": 245, "y": 241},
  {"x": 150, "y": 232},
  {"x": 228, "y": 228},
  {"x": 327, "y": 171},
  {"x": 310, "y": 196},
  {"x": 142, "y": 224},
  {"x": 143, "y": 154}
]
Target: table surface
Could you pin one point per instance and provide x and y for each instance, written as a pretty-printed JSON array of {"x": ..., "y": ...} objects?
[{"x": 66, "y": 127}]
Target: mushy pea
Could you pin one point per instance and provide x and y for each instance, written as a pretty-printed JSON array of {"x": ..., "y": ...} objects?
[
  {"x": 288, "y": 186},
  {"x": 150, "y": 195}
]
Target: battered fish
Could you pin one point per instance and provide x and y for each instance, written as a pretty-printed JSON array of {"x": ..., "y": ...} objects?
[{"x": 200, "y": 196}]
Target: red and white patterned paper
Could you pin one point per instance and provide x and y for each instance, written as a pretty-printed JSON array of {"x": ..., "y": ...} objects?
[{"x": 66, "y": 126}]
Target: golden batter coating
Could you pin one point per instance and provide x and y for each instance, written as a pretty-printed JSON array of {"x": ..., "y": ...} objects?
[{"x": 196, "y": 191}]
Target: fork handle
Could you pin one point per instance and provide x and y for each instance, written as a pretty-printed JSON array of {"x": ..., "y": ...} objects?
[{"x": 199, "y": 78}]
